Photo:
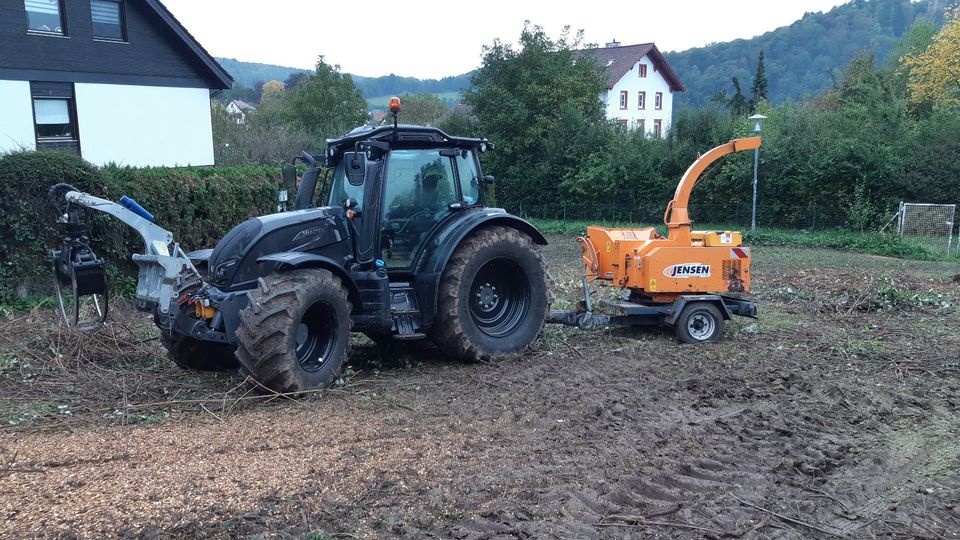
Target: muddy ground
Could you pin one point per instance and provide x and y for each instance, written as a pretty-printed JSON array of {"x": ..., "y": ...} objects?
[{"x": 836, "y": 414}]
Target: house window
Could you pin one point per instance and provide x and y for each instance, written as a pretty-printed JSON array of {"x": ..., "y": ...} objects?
[
  {"x": 643, "y": 70},
  {"x": 623, "y": 122},
  {"x": 657, "y": 128},
  {"x": 623, "y": 99},
  {"x": 45, "y": 16},
  {"x": 55, "y": 116},
  {"x": 108, "y": 19},
  {"x": 641, "y": 125},
  {"x": 658, "y": 101},
  {"x": 641, "y": 100}
]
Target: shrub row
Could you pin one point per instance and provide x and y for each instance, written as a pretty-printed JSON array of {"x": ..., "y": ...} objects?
[{"x": 198, "y": 204}]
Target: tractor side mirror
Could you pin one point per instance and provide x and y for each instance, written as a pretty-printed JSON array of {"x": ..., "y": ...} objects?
[
  {"x": 356, "y": 167},
  {"x": 488, "y": 179}
]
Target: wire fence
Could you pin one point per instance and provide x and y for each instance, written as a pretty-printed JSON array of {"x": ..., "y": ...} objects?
[
  {"x": 932, "y": 225},
  {"x": 809, "y": 217}
]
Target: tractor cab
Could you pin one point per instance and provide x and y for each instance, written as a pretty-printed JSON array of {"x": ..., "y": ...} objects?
[
  {"x": 409, "y": 191},
  {"x": 399, "y": 184}
]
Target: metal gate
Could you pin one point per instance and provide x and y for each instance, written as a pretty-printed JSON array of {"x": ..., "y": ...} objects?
[{"x": 929, "y": 224}]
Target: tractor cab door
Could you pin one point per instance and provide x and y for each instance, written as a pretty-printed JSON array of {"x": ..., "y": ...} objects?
[
  {"x": 364, "y": 189},
  {"x": 421, "y": 189}
]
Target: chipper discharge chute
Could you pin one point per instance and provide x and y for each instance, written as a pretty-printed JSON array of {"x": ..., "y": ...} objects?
[{"x": 689, "y": 280}]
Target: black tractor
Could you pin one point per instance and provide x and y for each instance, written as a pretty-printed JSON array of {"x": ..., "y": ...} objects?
[{"x": 389, "y": 236}]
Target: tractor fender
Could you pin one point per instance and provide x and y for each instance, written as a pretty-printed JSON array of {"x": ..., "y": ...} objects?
[
  {"x": 683, "y": 300},
  {"x": 293, "y": 260},
  {"x": 441, "y": 246}
]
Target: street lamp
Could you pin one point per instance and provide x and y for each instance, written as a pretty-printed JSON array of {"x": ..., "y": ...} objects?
[{"x": 756, "y": 162}]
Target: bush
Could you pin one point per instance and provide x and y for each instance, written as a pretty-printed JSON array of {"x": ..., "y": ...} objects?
[
  {"x": 199, "y": 205},
  {"x": 26, "y": 220}
]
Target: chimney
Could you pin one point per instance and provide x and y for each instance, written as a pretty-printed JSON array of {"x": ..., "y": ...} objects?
[{"x": 613, "y": 43}]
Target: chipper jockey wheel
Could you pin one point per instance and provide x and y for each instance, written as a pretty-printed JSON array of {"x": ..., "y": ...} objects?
[{"x": 79, "y": 275}]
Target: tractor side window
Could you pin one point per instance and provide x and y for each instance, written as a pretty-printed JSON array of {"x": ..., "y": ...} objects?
[
  {"x": 341, "y": 189},
  {"x": 469, "y": 177},
  {"x": 419, "y": 191}
]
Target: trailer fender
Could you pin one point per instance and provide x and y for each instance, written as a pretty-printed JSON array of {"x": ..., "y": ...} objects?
[
  {"x": 293, "y": 260},
  {"x": 682, "y": 301}
]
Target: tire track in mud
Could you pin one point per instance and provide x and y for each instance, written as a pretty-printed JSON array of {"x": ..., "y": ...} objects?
[{"x": 686, "y": 449}]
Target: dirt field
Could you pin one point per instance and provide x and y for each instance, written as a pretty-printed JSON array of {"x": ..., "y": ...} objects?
[{"x": 836, "y": 414}]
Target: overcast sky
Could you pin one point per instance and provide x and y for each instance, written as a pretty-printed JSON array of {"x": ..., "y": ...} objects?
[{"x": 432, "y": 39}]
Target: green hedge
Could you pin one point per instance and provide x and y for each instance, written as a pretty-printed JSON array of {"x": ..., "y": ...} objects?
[
  {"x": 875, "y": 243},
  {"x": 198, "y": 204}
]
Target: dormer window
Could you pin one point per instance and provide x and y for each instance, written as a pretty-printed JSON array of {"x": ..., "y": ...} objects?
[
  {"x": 45, "y": 16},
  {"x": 108, "y": 20}
]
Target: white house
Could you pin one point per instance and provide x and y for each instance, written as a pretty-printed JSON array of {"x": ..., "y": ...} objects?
[
  {"x": 116, "y": 81},
  {"x": 640, "y": 86},
  {"x": 239, "y": 109}
]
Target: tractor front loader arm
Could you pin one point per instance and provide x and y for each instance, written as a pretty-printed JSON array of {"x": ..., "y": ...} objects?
[{"x": 164, "y": 269}]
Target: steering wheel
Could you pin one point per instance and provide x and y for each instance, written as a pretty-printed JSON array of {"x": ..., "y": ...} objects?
[{"x": 403, "y": 223}]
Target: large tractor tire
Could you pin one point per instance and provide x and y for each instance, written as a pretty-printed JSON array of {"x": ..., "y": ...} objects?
[
  {"x": 189, "y": 353},
  {"x": 295, "y": 334},
  {"x": 494, "y": 296}
]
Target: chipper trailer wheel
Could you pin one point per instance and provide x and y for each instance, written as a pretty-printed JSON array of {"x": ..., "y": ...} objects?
[
  {"x": 190, "y": 353},
  {"x": 295, "y": 333},
  {"x": 493, "y": 296},
  {"x": 699, "y": 322}
]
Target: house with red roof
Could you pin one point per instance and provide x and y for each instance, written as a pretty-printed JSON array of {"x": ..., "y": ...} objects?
[{"x": 640, "y": 86}]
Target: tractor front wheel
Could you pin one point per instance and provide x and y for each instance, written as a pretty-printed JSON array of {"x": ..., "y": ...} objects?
[
  {"x": 189, "y": 353},
  {"x": 494, "y": 296},
  {"x": 295, "y": 333}
]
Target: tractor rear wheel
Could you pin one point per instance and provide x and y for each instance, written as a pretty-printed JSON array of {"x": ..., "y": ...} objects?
[
  {"x": 699, "y": 322},
  {"x": 189, "y": 353},
  {"x": 494, "y": 296},
  {"x": 295, "y": 333}
]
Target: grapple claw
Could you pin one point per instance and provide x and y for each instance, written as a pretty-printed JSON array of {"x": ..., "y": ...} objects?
[{"x": 80, "y": 277}]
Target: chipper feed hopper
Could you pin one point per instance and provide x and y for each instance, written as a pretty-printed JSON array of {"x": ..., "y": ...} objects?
[{"x": 690, "y": 280}]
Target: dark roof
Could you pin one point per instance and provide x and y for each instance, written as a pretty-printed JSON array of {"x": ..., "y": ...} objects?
[
  {"x": 243, "y": 105},
  {"x": 619, "y": 60},
  {"x": 219, "y": 75}
]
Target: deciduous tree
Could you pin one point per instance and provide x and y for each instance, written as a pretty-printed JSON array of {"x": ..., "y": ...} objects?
[
  {"x": 422, "y": 108},
  {"x": 540, "y": 104},
  {"x": 935, "y": 73},
  {"x": 327, "y": 104}
]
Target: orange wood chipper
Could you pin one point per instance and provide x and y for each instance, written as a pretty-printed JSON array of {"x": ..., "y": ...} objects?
[{"x": 688, "y": 280}]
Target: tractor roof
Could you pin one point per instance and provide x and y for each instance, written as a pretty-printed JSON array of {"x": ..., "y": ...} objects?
[{"x": 404, "y": 136}]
